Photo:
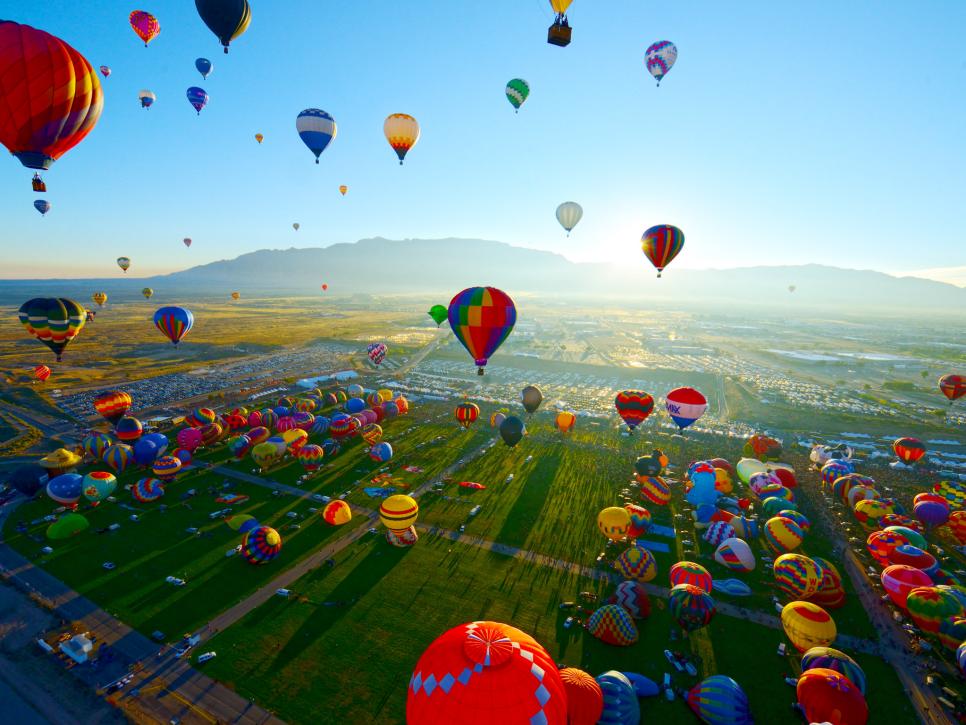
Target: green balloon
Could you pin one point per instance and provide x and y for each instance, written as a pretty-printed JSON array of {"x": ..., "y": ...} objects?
[
  {"x": 439, "y": 314},
  {"x": 517, "y": 91}
]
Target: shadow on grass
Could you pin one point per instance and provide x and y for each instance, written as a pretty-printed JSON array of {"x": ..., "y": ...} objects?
[
  {"x": 366, "y": 575},
  {"x": 529, "y": 505}
]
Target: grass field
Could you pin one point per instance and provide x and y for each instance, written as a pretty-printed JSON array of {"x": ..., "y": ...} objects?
[{"x": 352, "y": 635}]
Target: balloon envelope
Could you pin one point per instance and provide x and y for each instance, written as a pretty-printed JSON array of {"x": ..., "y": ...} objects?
[
  {"x": 482, "y": 318},
  {"x": 317, "y": 129},
  {"x": 227, "y": 19}
]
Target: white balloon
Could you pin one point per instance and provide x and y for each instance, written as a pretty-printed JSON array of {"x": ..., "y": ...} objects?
[{"x": 569, "y": 214}]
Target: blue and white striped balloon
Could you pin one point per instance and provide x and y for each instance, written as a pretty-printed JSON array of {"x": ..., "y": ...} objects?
[{"x": 316, "y": 129}]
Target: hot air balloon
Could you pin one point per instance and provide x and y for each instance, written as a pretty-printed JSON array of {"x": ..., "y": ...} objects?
[
  {"x": 377, "y": 352},
  {"x": 689, "y": 572},
  {"x": 398, "y": 512},
  {"x": 614, "y": 522},
  {"x": 633, "y": 406},
  {"x": 585, "y": 698},
  {"x": 517, "y": 91},
  {"x": 197, "y": 97},
  {"x": 316, "y": 128},
  {"x": 531, "y": 397},
  {"x": 325, "y": 287},
  {"x": 909, "y": 450},
  {"x": 41, "y": 372},
  {"x": 204, "y": 67},
  {"x": 296, "y": 225},
  {"x": 227, "y": 19},
  {"x": 807, "y": 625},
  {"x": 467, "y": 413},
  {"x": 482, "y": 318},
  {"x": 832, "y": 659},
  {"x": 124, "y": 263},
  {"x": 128, "y": 428},
  {"x": 147, "y": 98},
  {"x": 438, "y": 313},
  {"x": 402, "y": 133},
  {"x": 98, "y": 485},
  {"x": 174, "y": 322},
  {"x": 953, "y": 386},
  {"x": 105, "y": 71},
  {"x": 381, "y": 452},
  {"x": 569, "y": 214},
  {"x": 147, "y": 292},
  {"x": 560, "y": 32},
  {"x": 719, "y": 700},
  {"x": 259, "y": 137},
  {"x": 659, "y": 57},
  {"x": 99, "y": 298},
  {"x": 113, "y": 405},
  {"x": 685, "y": 406},
  {"x": 336, "y": 513},
  {"x": 791, "y": 288},
  {"x": 829, "y": 696},
  {"x": 43, "y": 206},
  {"x": 565, "y": 421},
  {"x": 343, "y": 189},
  {"x": 51, "y": 97},
  {"x": 797, "y": 575},
  {"x": 261, "y": 544},
  {"x": 55, "y": 321},
  {"x": 145, "y": 25},
  {"x": 186, "y": 241},
  {"x": 512, "y": 679},
  {"x": 512, "y": 430},
  {"x": 661, "y": 244},
  {"x": 691, "y": 606}
]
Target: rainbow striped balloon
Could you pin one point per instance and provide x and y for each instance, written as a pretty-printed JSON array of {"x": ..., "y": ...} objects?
[
  {"x": 482, "y": 318},
  {"x": 661, "y": 244},
  {"x": 174, "y": 322}
]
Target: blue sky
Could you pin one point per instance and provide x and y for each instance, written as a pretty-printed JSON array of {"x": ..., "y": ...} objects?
[{"x": 786, "y": 133}]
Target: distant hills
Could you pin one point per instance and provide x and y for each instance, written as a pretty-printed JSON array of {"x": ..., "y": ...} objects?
[{"x": 443, "y": 266}]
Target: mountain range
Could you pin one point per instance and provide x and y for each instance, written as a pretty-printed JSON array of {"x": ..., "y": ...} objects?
[{"x": 443, "y": 266}]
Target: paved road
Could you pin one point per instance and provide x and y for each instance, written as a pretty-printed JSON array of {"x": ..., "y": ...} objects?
[{"x": 181, "y": 692}]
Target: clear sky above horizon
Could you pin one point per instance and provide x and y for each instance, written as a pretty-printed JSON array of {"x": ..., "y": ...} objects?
[{"x": 785, "y": 134}]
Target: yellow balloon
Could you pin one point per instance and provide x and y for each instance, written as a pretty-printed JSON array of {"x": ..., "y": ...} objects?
[
  {"x": 235, "y": 295},
  {"x": 402, "y": 133},
  {"x": 808, "y": 625},
  {"x": 613, "y": 522},
  {"x": 560, "y": 6},
  {"x": 398, "y": 512},
  {"x": 565, "y": 421},
  {"x": 100, "y": 298},
  {"x": 259, "y": 137},
  {"x": 343, "y": 189}
]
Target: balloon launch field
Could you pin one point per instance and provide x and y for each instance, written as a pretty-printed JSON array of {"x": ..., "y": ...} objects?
[
  {"x": 348, "y": 640},
  {"x": 348, "y": 633}
]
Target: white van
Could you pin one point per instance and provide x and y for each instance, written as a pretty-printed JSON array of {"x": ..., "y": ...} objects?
[{"x": 206, "y": 656}]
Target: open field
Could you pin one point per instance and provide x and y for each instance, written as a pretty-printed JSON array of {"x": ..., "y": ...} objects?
[{"x": 352, "y": 634}]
